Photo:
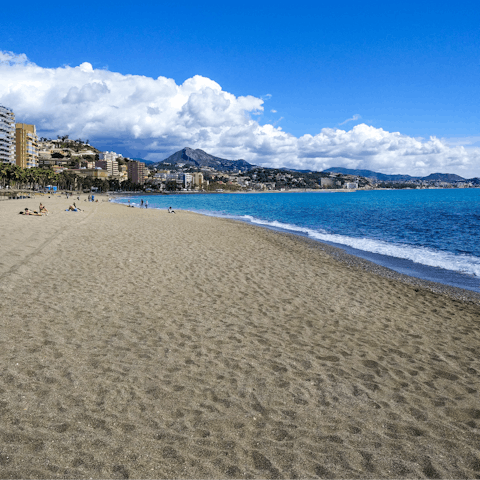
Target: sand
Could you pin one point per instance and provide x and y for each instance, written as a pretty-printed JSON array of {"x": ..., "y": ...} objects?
[{"x": 141, "y": 344}]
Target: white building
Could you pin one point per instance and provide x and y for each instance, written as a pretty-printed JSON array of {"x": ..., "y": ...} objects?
[
  {"x": 184, "y": 179},
  {"x": 7, "y": 135},
  {"x": 187, "y": 179},
  {"x": 109, "y": 156},
  {"x": 171, "y": 177}
]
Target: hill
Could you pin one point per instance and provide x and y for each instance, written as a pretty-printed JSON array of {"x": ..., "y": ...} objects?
[
  {"x": 439, "y": 177},
  {"x": 370, "y": 174},
  {"x": 199, "y": 158},
  {"x": 444, "y": 177}
]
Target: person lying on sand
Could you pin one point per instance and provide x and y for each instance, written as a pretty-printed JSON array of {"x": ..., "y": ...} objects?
[
  {"x": 29, "y": 212},
  {"x": 71, "y": 208}
]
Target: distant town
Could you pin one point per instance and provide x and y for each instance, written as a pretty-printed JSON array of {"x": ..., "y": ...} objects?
[{"x": 29, "y": 162}]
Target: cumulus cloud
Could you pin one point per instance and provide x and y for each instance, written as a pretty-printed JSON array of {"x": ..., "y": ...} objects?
[
  {"x": 465, "y": 141},
  {"x": 154, "y": 117},
  {"x": 353, "y": 119},
  {"x": 10, "y": 58}
]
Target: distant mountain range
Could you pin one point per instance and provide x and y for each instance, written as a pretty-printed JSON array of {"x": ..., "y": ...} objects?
[
  {"x": 439, "y": 177},
  {"x": 199, "y": 158}
]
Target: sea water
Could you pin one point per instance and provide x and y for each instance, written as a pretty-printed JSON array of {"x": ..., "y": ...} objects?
[{"x": 430, "y": 234}]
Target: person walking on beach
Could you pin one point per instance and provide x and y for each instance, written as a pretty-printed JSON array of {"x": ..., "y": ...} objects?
[
  {"x": 141, "y": 203},
  {"x": 146, "y": 204}
]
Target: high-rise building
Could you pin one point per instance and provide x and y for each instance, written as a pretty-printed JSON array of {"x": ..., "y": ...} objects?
[
  {"x": 198, "y": 179},
  {"x": 136, "y": 172},
  {"x": 187, "y": 179},
  {"x": 111, "y": 166},
  {"x": 7, "y": 135},
  {"x": 27, "y": 145}
]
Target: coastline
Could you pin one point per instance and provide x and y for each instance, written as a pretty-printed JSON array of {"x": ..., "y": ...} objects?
[
  {"x": 435, "y": 276},
  {"x": 141, "y": 344},
  {"x": 355, "y": 261}
]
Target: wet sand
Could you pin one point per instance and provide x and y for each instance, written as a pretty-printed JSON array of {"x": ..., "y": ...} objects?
[{"x": 141, "y": 344}]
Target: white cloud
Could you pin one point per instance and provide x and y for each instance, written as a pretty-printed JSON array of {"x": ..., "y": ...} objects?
[
  {"x": 273, "y": 111},
  {"x": 153, "y": 118},
  {"x": 10, "y": 58},
  {"x": 353, "y": 119},
  {"x": 473, "y": 141}
]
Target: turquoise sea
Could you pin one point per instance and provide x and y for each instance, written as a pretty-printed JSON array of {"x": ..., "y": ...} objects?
[{"x": 430, "y": 234}]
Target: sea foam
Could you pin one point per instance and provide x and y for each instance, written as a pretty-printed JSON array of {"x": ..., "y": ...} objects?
[{"x": 466, "y": 264}]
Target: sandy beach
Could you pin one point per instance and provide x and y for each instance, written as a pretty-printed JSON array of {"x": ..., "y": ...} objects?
[{"x": 141, "y": 344}]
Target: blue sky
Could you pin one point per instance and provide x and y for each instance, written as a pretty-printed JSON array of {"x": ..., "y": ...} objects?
[{"x": 411, "y": 68}]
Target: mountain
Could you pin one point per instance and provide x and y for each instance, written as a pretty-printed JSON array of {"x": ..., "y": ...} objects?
[
  {"x": 444, "y": 177},
  {"x": 369, "y": 174},
  {"x": 199, "y": 158},
  {"x": 435, "y": 177},
  {"x": 285, "y": 169}
]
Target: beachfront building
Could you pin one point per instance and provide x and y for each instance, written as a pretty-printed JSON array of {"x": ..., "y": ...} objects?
[
  {"x": 136, "y": 172},
  {"x": 26, "y": 145},
  {"x": 111, "y": 166},
  {"x": 198, "y": 179},
  {"x": 187, "y": 179},
  {"x": 122, "y": 173},
  {"x": 7, "y": 135}
]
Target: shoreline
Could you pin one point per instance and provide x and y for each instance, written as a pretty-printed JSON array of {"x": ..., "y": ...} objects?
[
  {"x": 342, "y": 253},
  {"x": 138, "y": 344},
  {"x": 355, "y": 261}
]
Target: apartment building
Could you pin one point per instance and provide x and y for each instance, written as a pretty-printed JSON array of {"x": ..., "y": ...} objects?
[
  {"x": 136, "y": 172},
  {"x": 7, "y": 135},
  {"x": 198, "y": 179},
  {"x": 26, "y": 145},
  {"x": 111, "y": 166},
  {"x": 109, "y": 156},
  {"x": 187, "y": 179}
]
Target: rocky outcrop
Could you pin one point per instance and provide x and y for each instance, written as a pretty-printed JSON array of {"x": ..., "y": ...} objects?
[{"x": 199, "y": 158}]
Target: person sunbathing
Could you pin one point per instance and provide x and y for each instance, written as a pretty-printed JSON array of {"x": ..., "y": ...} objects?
[
  {"x": 43, "y": 209},
  {"x": 29, "y": 212}
]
